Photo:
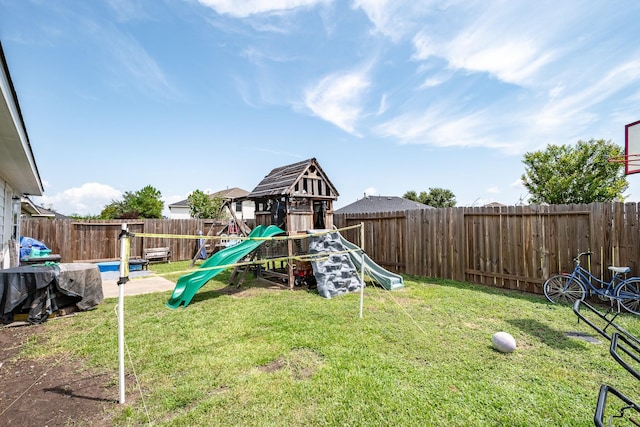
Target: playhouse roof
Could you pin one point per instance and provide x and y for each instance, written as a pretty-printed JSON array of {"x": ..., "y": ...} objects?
[{"x": 287, "y": 181}]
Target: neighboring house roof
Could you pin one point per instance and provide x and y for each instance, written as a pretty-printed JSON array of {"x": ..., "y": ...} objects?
[
  {"x": 17, "y": 162},
  {"x": 32, "y": 210},
  {"x": 28, "y": 207},
  {"x": 286, "y": 181},
  {"x": 46, "y": 213},
  {"x": 378, "y": 204},
  {"x": 230, "y": 194},
  {"x": 234, "y": 193}
]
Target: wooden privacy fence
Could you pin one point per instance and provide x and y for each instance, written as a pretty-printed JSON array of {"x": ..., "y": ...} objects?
[
  {"x": 96, "y": 240},
  {"x": 514, "y": 247}
]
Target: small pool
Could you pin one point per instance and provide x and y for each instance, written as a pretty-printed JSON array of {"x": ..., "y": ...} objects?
[{"x": 115, "y": 266}]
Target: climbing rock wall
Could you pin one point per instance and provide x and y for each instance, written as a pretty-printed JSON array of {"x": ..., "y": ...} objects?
[{"x": 334, "y": 272}]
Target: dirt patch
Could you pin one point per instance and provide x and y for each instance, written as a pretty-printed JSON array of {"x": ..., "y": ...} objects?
[
  {"x": 50, "y": 392},
  {"x": 258, "y": 287},
  {"x": 301, "y": 362}
]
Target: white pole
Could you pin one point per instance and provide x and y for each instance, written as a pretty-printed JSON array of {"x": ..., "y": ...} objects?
[
  {"x": 361, "y": 267},
  {"x": 123, "y": 279}
]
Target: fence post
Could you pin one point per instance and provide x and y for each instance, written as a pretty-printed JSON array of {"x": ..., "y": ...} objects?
[
  {"x": 361, "y": 267},
  {"x": 124, "y": 278}
]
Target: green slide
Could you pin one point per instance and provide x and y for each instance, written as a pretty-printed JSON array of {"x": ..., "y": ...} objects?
[
  {"x": 190, "y": 283},
  {"x": 385, "y": 278}
]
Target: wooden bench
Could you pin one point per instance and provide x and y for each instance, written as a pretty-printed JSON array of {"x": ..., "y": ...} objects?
[{"x": 157, "y": 254}]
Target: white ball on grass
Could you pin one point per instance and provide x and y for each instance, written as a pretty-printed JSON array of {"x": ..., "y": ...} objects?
[{"x": 503, "y": 342}]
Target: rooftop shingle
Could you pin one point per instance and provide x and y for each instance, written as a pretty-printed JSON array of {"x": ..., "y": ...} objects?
[{"x": 378, "y": 204}]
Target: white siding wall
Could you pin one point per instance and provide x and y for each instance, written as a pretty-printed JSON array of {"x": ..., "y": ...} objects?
[
  {"x": 7, "y": 226},
  {"x": 179, "y": 212},
  {"x": 3, "y": 215},
  {"x": 6, "y": 194}
]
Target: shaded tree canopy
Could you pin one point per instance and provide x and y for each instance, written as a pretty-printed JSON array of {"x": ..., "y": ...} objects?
[
  {"x": 144, "y": 203},
  {"x": 435, "y": 197},
  {"x": 203, "y": 206},
  {"x": 564, "y": 174}
]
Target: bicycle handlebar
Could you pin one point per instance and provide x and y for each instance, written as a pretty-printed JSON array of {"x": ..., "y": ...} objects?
[{"x": 577, "y": 258}]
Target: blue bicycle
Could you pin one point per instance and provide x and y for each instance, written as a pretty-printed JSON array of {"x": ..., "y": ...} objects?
[{"x": 579, "y": 284}]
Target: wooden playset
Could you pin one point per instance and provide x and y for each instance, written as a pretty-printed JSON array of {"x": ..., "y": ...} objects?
[{"x": 297, "y": 198}]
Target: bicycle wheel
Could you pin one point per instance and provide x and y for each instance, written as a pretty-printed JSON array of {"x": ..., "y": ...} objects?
[
  {"x": 564, "y": 289},
  {"x": 628, "y": 294}
]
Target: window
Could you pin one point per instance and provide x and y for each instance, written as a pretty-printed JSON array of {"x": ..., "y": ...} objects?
[
  {"x": 239, "y": 207},
  {"x": 319, "y": 209},
  {"x": 15, "y": 229}
]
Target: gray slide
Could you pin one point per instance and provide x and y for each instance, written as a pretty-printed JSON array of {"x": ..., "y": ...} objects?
[{"x": 385, "y": 278}]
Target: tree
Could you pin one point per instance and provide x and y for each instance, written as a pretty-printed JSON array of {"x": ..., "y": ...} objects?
[
  {"x": 203, "y": 206},
  {"x": 411, "y": 195},
  {"x": 78, "y": 216},
  {"x": 144, "y": 203},
  {"x": 113, "y": 210},
  {"x": 147, "y": 202},
  {"x": 562, "y": 174},
  {"x": 435, "y": 197},
  {"x": 439, "y": 198}
]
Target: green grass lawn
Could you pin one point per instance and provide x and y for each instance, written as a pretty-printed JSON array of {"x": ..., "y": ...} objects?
[{"x": 420, "y": 356}]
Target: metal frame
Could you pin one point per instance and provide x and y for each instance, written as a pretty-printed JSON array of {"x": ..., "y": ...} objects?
[
  {"x": 632, "y": 148},
  {"x": 626, "y": 343},
  {"x": 605, "y": 390}
]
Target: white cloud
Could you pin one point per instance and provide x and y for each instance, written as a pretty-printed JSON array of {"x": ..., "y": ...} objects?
[
  {"x": 563, "y": 108},
  {"x": 556, "y": 91},
  {"x": 383, "y": 105},
  {"x": 493, "y": 190},
  {"x": 126, "y": 10},
  {"x": 527, "y": 44},
  {"x": 435, "y": 80},
  {"x": 337, "y": 99},
  {"x": 517, "y": 184},
  {"x": 575, "y": 107},
  {"x": 394, "y": 18},
  {"x": 92, "y": 197},
  {"x": 511, "y": 59},
  {"x": 88, "y": 199},
  {"x": 424, "y": 47},
  {"x": 244, "y": 90},
  {"x": 132, "y": 57},
  {"x": 436, "y": 126},
  {"x": 370, "y": 191},
  {"x": 245, "y": 8}
]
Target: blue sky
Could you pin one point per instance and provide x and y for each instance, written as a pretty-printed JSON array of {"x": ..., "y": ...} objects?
[{"x": 389, "y": 96}]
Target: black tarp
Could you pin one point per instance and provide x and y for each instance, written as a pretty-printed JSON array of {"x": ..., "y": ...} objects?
[{"x": 44, "y": 289}]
